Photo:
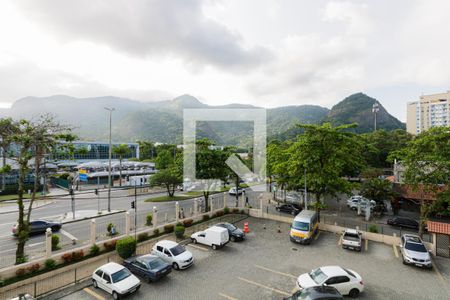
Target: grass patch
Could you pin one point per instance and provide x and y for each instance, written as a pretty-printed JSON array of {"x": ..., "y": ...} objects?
[{"x": 167, "y": 198}]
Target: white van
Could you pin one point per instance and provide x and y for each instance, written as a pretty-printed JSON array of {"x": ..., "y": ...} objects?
[
  {"x": 214, "y": 236},
  {"x": 304, "y": 227}
]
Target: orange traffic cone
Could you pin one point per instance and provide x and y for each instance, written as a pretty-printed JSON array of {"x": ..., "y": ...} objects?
[{"x": 246, "y": 230}]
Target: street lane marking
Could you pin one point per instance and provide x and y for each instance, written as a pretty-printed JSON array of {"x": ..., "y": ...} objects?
[
  {"x": 197, "y": 247},
  {"x": 395, "y": 250},
  {"x": 35, "y": 244},
  {"x": 317, "y": 236},
  {"x": 276, "y": 272},
  {"x": 227, "y": 297},
  {"x": 441, "y": 278},
  {"x": 71, "y": 237},
  {"x": 265, "y": 287},
  {"x": 367, "y": 245},
  {"x": 93, "y": 294}
]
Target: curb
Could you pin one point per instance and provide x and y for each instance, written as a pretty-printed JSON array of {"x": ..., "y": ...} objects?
[
  {"x": 16, "y": 210},
  {"x": 66, "y": 291},
  {"x": 95, "y": 217}
]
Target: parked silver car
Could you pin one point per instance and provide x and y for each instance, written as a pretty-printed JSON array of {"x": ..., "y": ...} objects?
[
  {"x": 414, "y": 251},
  {"x": 351, "y": 239}
]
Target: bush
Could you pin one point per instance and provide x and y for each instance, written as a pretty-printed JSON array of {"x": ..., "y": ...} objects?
[
  {"x": 33, "y": 268},
  {"x": 126, "y": 247},
  {"x": 20, "y": 272},
  {"x": 373, "y": 228},
  {"x": 219, "y": 213},
  {"x": 179, "y": 230},
  {"x": 226, "y": 210},
  {"x": 205, "y": 217},
  {"x": 77, "y": 255},
  {"x": 168, "y": 228},
  {"x": 94, "y": 250},
  {"x": 242, "y": 211},
  {"x": 142, "y": 237},
  {"x": 109, "y": 246},
  {"x": 55, "y": 242},
  {"x": 67, "y": 257},
  {"x": 235, "y": 210},
  {"x": 50, "y": 264},
  {"x": 156, "y": 231},
  {"x": 149, "y": 220},
  {"x": 188, "y": 222},
  {"x": 22, "y": 260}
]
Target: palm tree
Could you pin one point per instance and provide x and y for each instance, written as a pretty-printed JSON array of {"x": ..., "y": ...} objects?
[{"x": 121, "y": 151}]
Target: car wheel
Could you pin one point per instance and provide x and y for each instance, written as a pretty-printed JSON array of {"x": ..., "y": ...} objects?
[
  {"x": 194, "y": 241},
  {"x": 94, "y": 283},
  {"x": 54, "y": 228},
  {"x": 403, "y": 260},
  {"x": 115, "y": 295},
  {"x": 233, "y": 239},
  {"x": 175, "y": 266},
  {"x": 354, "y": 293},
  {"x": 214, "y": 247}
]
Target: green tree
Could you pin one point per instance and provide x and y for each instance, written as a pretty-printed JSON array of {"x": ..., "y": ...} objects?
[
  {"x": 377, "y": 189},
  {"x": 147, "y": 150},
  {"x": 164, "y": 159},
  {"x": 427, "y": 164},
  {"x": 121, "y": 151},
  {"x": 441, "y": 207},
  {"x": 83, "y": 151},
  {"x": 169, "y": 177},
  {"x": 328, "y": 153}
]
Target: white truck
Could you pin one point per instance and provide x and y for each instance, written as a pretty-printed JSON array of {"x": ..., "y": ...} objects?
[
  {"x": 214, "y": 236},
  {"x": 351, "y": 239}
]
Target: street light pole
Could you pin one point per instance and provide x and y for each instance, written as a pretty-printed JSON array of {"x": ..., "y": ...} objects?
[
  {"x": 110, "y": 109},
  {"x": 306, "y": 192},
  {"x": 375, "y": 110}
]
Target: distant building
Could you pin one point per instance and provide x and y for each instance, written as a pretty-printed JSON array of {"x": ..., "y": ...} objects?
[
  {"x": 96, "y": 151},
  {"x": 429, "y": 111}
]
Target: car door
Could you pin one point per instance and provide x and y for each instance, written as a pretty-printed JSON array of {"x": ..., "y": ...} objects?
[
  {"x": 202, "y": 238},
  {"x": 342, "y": 284},
  {"x": 159, "y": 251},
  {"x": 167, "y": 255},
  {"x": 98, "y": 277},
  {"x": 38, "y": 227},
  {"x": 140, "y": 268},
  {"x": 107, "y": 283}
]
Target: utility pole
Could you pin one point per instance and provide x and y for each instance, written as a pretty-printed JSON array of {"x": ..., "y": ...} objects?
[
  {"x": 109, "y": 154},
  {"x": 135, "y": 211},
  {"x": 72, "y": 195},
  {"x": 375, "y": 110},
  {"x": 306, "y": 193}
]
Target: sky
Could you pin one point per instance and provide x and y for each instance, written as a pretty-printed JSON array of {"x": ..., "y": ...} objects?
[{"x": 262, "y": 52}]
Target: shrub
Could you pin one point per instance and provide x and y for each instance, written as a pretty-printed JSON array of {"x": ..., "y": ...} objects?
[
  {"x": 149, "y": 220},
  {"x": 226, "y": 210},
  {"x": 50, "y": 264},
  {"x": 235, "y": 210},
  {"x": 179, "y": 230},
  {"x": 205, "y": 217},
  {"x": 373, "y": 228},
  {"x": 142, "y": 237},
  {"x": 20, "y": 272},
  {"x": 94, "y": 250},
  {"x": 33, "y": 268},
  {"x": 126, "y": 246},
  {"x": 168, "y": 228},
  {"x": 109, "y": 246},
  {"x": 219, "y": 213},
  {"x": 55, "y": 242},
  {"x": 156, "y": 231},
  {"x": 188, "y": 222},
  {"x": 242, "y": 211},
  {"x": 22, "y": 260},
  {"x": 77, "y": 255},
  {"x": 67, "y": 257}
]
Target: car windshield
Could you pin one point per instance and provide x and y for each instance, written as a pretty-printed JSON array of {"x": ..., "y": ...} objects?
[
  {"x": 300, "y": 225},
  {"x": 415, "y": 247},
  {"x": 231, "y": 227},
  {"x": 177, "y": 250},
  {"x": 120, "y": 275},
  {"x": 156, "y": 264},
  {"x": 318, "y": 276}
]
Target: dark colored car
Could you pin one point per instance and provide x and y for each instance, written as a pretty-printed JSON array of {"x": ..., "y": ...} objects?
[
  {"x": 403, "y": 223},
  {"x": 37, "y": 227},
  {"x": 289, "y": 208},
  {"x": 234, "y": 232},
  {"x": 148, "y": 266},
  {"x": 316, "y": 293}
]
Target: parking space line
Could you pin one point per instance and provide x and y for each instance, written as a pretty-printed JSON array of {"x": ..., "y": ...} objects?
[
  {"x": 227, "y": 297},
  {"x": 317, "y": 236},
  {"x": 276, "y": 272},
  {"x": 69, "y": 236},
  {"x": 93, "y": 294},
  {"x": 197, "y": 247},
  {"x": 367, "y": 245},
  {"x": 264, "y": 286},
  {"x": 339, "y": 241},
  {"x": 441, "y": 278},
  {"x": 395, "y": 250}
]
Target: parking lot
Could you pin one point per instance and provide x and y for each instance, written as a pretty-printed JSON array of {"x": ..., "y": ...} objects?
[{"x": 266, "y": 265}]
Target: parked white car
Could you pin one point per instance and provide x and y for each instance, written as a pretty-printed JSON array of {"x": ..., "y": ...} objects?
[
  {"x": 351, "y": 239},
  {"x": 116, "y": 280},
  {"x": 347, "y": 282},
  {"x": 353, "y": 200},
  {"x": 232, "y": 191},
  {"x": 362, "y": 202},
  {"x": 214, "y": 236},
  {"x": 174, "y": 254}
]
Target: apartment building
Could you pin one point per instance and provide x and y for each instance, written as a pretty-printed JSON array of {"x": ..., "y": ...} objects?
[{"x": 429, "y": 111}]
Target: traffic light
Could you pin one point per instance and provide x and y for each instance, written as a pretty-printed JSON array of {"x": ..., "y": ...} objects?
[{"x": 133, "y": 204}]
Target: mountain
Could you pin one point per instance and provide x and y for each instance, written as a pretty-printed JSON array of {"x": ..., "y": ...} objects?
[
  {"x": 357, "y": 108},
  {"x": 162, "y": 121}
]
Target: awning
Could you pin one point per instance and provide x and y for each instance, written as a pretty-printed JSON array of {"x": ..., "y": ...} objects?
[{"x": 438, "y": 227}]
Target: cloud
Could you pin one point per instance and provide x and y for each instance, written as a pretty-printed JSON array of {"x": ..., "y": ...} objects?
[{"x": 148, "y": 28}]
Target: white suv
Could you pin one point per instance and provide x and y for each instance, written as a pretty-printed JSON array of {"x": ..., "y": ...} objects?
[
  {"x": 414, "y": 251},
  {"x": 174, "y": 254},
  {"x": 115, "y": 279}
]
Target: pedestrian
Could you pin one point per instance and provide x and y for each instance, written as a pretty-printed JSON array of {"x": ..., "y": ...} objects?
[{"x": 246, "y": 201}]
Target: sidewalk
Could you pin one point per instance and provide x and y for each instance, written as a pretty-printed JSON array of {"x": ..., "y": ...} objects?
[
  {"x": 10, "y": 207},
  {"x": 86, "y": 214}
]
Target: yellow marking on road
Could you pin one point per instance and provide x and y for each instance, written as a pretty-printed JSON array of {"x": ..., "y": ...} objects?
[
  {"x": 93, "y": 294},
  {"x": 339, "y": 241},
  {"x": 197, "y": 247},
  {"x": 367, "y": 245},
  {"x": 227, "y": 297},
  {"x": 441, "y": 278},
  {"x": 294, "y": 290},
  {"x": 317, "y": 236},
  {"x": 276, "y": 272},
  {"x": 265, "y": 287},
  {"x": 395, "y": 250}
]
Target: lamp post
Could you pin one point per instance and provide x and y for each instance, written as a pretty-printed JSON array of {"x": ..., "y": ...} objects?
[
  {"x": 375, "y": 110},
  {"x": 110, "y": 109}
]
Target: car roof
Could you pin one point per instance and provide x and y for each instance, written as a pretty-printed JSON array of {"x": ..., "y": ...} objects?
[
  {"x": 148, "y": 257},
  {"x": 111, "y": 267},
  {"x": 305, "y": 215},
  {"x": 216, "y": 229},
  {"x": 166, "y": 243},
  {"x": 333, "y": 271},
  {"x": 412, "y": 238},
  {"x": 351, "y": 231}
]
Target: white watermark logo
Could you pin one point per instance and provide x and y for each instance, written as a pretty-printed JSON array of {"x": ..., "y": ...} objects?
[{"x": 255, "y": 179}]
